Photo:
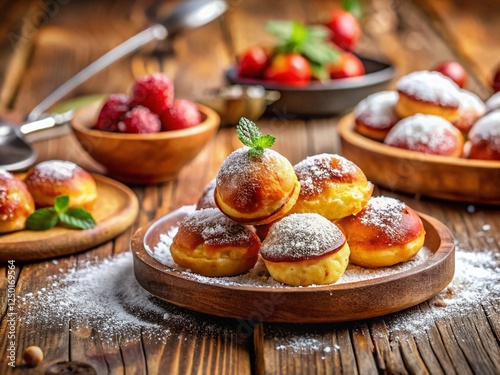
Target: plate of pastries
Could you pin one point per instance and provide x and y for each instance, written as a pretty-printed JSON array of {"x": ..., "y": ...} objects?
[
  {"x": 428, "y": 137},
  {"x": 272, "y": 241},
  {"x": 112, "y": 205}
]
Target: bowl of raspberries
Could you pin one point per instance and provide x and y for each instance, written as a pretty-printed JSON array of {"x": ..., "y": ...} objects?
[{"x": 147, "y": 136}]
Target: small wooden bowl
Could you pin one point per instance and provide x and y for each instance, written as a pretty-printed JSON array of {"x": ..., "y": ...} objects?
[
  {"x": 143, "y": 158},
  {"x": 319, "y": 304},
  {"x": 442, "y": 177}
]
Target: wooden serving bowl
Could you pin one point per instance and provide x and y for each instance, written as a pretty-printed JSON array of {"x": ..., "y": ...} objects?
[
  {"x": 339, "y": 302},
  {"x": 442, "y": 177},
  {"x": 143, "y": 158}
]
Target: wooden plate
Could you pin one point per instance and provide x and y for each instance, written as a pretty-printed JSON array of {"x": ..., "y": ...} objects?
[
  {"x": 331, "y": 303},
  {"x": 115, "y": 210},
  {"x": 454, "y": 179}
]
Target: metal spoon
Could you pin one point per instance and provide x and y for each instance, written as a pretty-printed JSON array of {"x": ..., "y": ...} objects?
[{"x": 17, "y": 154}]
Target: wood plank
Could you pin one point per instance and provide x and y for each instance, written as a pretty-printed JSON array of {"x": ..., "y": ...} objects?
[
  {"x": 469, "y": 28},
  {"x": 54, "y": 339}
]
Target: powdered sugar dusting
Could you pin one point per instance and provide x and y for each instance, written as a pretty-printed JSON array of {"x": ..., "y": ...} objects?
[
  {"x": 314, "y": 170},
  {"x": 432, "y": 87},
  {"x": 476, "y": 281},
  {"x": 5, "y": 175},
  {"x": 106, "y": 298},
  {"x": 377, "y": 110},
  {"x": 424, "y": 133},
  {"x": 385, "y": 213},
  {"x": 258, "y": 276},
  {"x": 240, "y": 166},
  {"x": 470, "y": 101},
  {"x": 487, "y": 128},
  {"x": 216, "y": 228},
  {"x": 301, "y": 236},
  {"x": 493, "y": 102},
  {"x": 56, "y": 169}
]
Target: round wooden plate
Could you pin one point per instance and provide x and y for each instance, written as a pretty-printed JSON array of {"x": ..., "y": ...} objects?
[
  {"x": 115, "y": 210},
  {"x": 330, "y": 303},
  {"x": 454, "y": 179}
]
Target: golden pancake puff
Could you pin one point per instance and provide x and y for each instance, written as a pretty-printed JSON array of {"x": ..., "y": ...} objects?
[
  {"x": 211, "y": 244},
  {"x": 384, "y": 233},
  {"x": 375, "y": 115},
  {"x": 485, "y": 137},
  {"x": 305, "y": 249},
  {"x": 50, "y": 179},
  {"x": 256, "y": 189},
  {"x": 207, "y": 197},
  {"x": 428, "y": 134},
  {"x": 331, "y": 186},
  {"x": 16, "y": 203},
  {"x": 427, "y": 92},
  {"x": 471, "y": 108}
]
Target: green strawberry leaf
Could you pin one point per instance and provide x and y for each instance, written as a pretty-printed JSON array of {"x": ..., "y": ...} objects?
[
  {"x": 77, "y": 218},
  {"x": 42, "y": 219},
  {"x": 353, "y": 6},
  {"x": 250, "y": 135},
  {"x": 61, "y": 203}
]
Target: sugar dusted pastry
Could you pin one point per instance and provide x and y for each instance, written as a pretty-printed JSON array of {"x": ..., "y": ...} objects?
[
  {"x": 211, "y": 244},
  {"x": 331, "y": 186},
  {"x": 207, "y": 197},
  {"x": 50, "y": 179},
  {"x": 427, "y": 134},
  {"x": 471, "y": 108},
  {"x": 375, "y": 115},
  {"x": 384, "y": 233},
  {"x": 256, "y": 189},
  {"x": 429, "y": 93},
  {"x": 16, "y": 203},
  {"x": 485, "y": 137},
  {"x": 305, "y": 249}
]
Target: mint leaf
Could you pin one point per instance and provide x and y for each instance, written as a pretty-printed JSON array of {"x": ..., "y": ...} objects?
[
  {"x": 77, "y": 218},
  {"x": 61, "y": 203},
  {"x": 250, "y": 135},
  {"x": 265, "y": 141},
  {"x": 248, "y": 132},
  {"x": 42, "y": 219},
  {"x": 353, "y": 6}
]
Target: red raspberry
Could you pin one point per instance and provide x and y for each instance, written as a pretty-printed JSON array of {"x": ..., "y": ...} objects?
[
  {"x": 112, "y": 112},
  {"x": 139, "y": 120},
  {"x": 182, "y": 114},
  {"x": 155, "y": 91}
]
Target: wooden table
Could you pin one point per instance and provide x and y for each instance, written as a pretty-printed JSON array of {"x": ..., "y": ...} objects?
[{"x": 54, "y": 39}]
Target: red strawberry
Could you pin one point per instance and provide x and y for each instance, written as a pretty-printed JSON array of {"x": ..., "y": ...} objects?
[
  {"x": 253, "y": 63},
  {"x": 112, "y": 112},
  {"x": 139, "y": 120},
  {"x": 182, "y": 114},
  {"x": 155, "y": 91},
  {"x": 348, "y": 65},
  {"x": 345, "y": 29}
]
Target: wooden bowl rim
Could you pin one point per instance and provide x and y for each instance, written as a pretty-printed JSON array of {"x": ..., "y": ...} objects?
[
  {"x": 346, "y": 131},
  {"x": 210, "y": 120}
]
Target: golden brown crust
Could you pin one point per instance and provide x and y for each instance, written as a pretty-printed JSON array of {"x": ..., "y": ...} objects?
[
  {"x": 409, "y": 105},
  {"x": 53, "y": 178},
  {"x": 211, "y": 244},
  {"x": 485, "y": 137},
  {"x": 331, "y": 186},
  {"x": 385, "y": 233},
  {"x": 305, "y": 249},
  {"x": 16, "y": 203},
  {"x": 256, "y": 190}
]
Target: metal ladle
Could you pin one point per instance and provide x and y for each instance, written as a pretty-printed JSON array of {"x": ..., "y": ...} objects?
[{"x": 17, "y": 154}]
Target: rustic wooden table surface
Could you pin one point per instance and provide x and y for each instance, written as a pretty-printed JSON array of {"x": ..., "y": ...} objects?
[{"x": 43, "y": 43}]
